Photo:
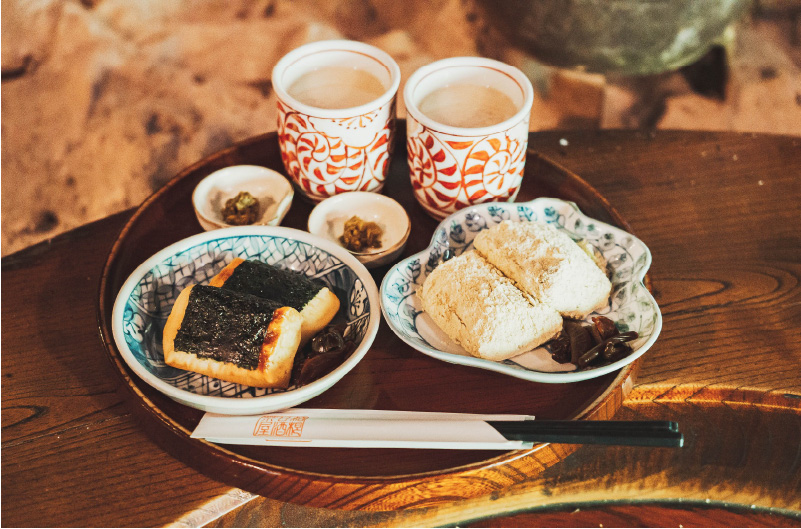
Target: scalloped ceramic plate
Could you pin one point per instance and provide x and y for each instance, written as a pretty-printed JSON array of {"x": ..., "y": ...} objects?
[
  {"x": 631, "y": 306},
  {"x": 146, "y": 298}
]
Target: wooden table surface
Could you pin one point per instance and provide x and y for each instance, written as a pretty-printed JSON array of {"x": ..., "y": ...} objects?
[{"x": 720, "y": 213}]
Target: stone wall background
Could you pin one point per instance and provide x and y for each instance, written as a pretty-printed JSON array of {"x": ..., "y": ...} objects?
[{"x": 104, "y": 100}]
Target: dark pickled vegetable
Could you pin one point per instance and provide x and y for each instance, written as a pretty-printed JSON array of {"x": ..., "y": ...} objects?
[
  {"x": 326, "y": 351},
  {"x": 580, "y": 339},
  {"x": 612, "y": 349},
  {"x": 320, "y": 365},
  {"x": 327, "y": 341},
  {"x": 288, "y": 287},
  {"x": 588, "y": 357},
  {"x": 225, "y": 326},
  {"x": 605, "y": 327},
  {"x": 623, "y": 337},
  {"x": 241, "y": 210},
  {"x": 615, "y": 351},
  {"x": 596, "y": 334},
  {"x": 560, "y": 348},
  {"x": 591, "y": 345}
]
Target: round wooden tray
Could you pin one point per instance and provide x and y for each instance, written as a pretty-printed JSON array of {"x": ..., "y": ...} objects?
[{"x": 392, "y": 375}]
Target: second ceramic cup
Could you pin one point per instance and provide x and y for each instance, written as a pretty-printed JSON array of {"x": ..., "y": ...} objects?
[
  {"x": 336, "y": 116},
  {"x": 467, "y": 132}
]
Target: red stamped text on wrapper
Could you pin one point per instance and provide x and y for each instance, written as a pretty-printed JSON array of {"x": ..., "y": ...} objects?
[
  {"x": 450, "y": 172},
  {"x": 328, "y": 156},
  {"x": 271, "y": 426}
]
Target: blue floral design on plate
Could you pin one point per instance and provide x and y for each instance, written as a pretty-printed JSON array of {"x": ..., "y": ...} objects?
[{"x": 631, "y": 306}]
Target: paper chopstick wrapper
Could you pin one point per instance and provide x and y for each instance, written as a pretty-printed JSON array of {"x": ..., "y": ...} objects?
[{"x": 360, "y": 429}]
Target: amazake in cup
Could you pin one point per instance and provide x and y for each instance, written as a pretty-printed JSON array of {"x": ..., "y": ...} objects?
[
  {"x": 336, "y": 116},
  {"x": 467, "y": 132}
]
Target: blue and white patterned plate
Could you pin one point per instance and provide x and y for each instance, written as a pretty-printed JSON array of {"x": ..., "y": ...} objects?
[
  {"x": 631, "y": 306},
  {"x": 145, "y": 300}
]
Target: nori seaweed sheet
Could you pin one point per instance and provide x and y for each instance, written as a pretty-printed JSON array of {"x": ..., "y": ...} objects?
[
  {"x": 225, "y": 325},
  {"x": 290, "y": 288}
]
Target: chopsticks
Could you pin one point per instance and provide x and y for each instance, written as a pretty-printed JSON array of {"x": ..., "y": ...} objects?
[
  {"x": 366, "y": 428},
  {"x": 625, "y": 433}
]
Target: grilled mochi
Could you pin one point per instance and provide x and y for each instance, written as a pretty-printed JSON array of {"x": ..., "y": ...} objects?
[
  {"x": 231, "y": 336},
  {"x": 483, "y": 311},
  {"x": 315, "y": 302}
]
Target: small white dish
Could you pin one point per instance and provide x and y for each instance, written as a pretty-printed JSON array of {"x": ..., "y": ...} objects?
[
  {"x": 273, "y": 191},
  {"x": 327, "y": 220},
  {"x": 147, "y": 296}
]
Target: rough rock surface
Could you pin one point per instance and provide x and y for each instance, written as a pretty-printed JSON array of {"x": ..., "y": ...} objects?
[{"x": 104, "y": 100}]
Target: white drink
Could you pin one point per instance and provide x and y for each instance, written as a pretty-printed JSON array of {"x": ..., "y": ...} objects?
[
  {"x": 468, "y": 106},
  {"x": 336, "y": 87}
]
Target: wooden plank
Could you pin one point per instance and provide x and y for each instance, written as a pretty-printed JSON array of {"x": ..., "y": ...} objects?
[{"x": 72, "y": 453}]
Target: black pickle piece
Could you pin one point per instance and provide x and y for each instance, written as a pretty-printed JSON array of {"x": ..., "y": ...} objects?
[
  {"x": 326, "y": 351},
  {"x": 560, "y": 348},
  {"x": 327, "y": 341},
  {"x": 225, "y": 326},
  {"x": 290, "y": 288},
  {"x": 604, "y": 327},
  {"x": 613, "y": 349},
  {"x": 597, "y": 344},
  {"x": 580, "y": 339},
  {"x": 587, "y": 358},
  {"x": 318, "y": 366}
]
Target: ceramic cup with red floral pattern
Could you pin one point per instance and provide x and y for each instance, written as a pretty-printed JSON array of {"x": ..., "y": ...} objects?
[
  {"x": 467, "y": 132},
  {"x": 336, "y": 116}
]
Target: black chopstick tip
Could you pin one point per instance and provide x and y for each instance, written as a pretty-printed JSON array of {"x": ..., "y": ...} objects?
[{"x": 625, "y": 433}]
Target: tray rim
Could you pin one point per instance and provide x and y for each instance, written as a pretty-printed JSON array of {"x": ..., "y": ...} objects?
[{"x": 540, "y": 456}]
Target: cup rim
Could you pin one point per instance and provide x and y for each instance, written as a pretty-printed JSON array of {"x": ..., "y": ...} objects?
[
  {"x": 515, "y": 73},
  {"x": 334, "y": 45}
]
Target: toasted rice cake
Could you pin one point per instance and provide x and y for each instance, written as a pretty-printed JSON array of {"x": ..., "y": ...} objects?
[
  {"x": 315, "y": 302},
  {"x": 233, "y": 337}
]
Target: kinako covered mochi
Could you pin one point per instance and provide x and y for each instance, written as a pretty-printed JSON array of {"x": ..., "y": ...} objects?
[
  {"x": 508, "y": 295},
  {"x": 483, "y": 311},
  {"x": 546, "y": 264}
]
